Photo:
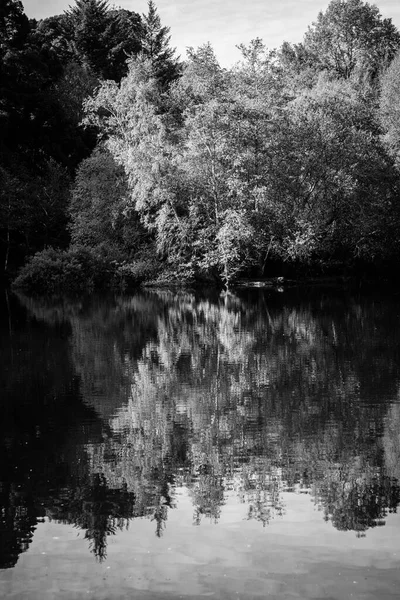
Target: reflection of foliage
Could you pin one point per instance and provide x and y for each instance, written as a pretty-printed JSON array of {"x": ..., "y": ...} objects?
[
  {"x": 358, "y": 504},
  {"x": 43, "y": 432},
  {"x": 391, "y": 441},
  {"x": 18, "y": 521},
  {"x": 261, "y": 487},
  {"x": 234, "y": 396},
  {"x": 124, "y": 465},
  {"x": 207, "y": 495},
  {"x": 246, "y": 384},
  {"x": 95, "y": 508}
]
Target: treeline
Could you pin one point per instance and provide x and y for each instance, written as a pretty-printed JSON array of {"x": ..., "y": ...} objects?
[{"x": 287, "y": 162}]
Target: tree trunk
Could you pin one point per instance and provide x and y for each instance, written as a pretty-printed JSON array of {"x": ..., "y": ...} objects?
[{"x": 7, "y": 250}]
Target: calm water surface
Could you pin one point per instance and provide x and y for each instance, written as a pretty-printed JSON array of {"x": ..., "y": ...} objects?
[{"x": 164, "y": 446}]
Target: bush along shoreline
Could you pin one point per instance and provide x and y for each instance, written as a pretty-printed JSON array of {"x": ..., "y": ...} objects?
[{"x": 80, "y": 270}]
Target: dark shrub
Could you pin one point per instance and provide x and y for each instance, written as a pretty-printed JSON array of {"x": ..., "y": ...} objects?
[
  {"x": 144, "y": 267},
  {"x": 75, "y": 270}
]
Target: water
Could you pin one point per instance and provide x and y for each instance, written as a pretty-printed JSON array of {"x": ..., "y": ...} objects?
[{"x": 166, "y": 445}]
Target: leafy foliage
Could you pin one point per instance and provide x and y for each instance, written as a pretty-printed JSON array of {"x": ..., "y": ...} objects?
[
  {"x": 351, "y": 35},
  {"x": 98, "y": 207},
  {"x": 55, "y": 271},
  {"x": 389, "y": 109}
]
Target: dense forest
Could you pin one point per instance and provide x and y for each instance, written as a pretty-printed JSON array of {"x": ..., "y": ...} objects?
[{"x": 121, "y": 163}]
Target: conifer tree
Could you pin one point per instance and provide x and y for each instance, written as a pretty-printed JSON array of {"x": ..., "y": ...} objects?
[
  {"x": 88, "y": 22},
  {"x": 14, "y": 25},
  {"x": 155, "y": 41}
]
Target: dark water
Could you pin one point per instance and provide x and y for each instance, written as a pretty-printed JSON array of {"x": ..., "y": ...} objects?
[{"x": 169, "y": 445}]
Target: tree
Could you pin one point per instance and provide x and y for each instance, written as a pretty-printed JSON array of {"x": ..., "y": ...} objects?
[
  {"x": 72, "y": 88},
  {"x": 22, "y": 75},
  {"x": 14, "y": 26},
  {"x": 155, "y": 41},
  {"x": 98, "y": 207},
  {"x": 351, "y": 35},
  {"x": 298, "y": 69},
  {"x": 203, "y": 189},
  {"x": 123, "y": 40},
  {"x": 33, "y": 143},
  {"x": 234, "y": 239},
  {"x": 337, "y": 183},
  {"x": 32, "y": 210},
  {"x": 389, "y": 109},
  {"x": 87, "y": 21},
  {"x": 194, "y": 171},
  {"x": 222, "y": 140},
  {"x": 127, "y": 115},
  {"x": 90, "y": 34},
  {"x": 51, "y": 37},
  {"x": 143, "y": 139}
]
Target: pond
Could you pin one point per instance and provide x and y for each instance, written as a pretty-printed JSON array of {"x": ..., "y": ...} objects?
[{"x": 185, "y": 445}]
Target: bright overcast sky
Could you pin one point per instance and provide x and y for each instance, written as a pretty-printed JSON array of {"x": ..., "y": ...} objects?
[{"x": 224, "y": 24}]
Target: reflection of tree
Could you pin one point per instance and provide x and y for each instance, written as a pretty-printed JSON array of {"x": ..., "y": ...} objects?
[
  {"x": 18, "y": 519},
  {"x": 136, "y": 462},
  {"x": 43, "y": 432},
  {"x": 261, "y": 486},
  {"x": 95, "y": 508},
  {"x": 249, "y": 396},
  {"x": 391, "y": 441},
  {"x": 101, "y": 332},
  {"x": 254, "y": 381},
  {"x": 207, "y": 495},
  {"x": 358, "y": 503}
]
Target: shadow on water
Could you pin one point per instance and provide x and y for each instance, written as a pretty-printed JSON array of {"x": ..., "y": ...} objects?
[{"x": 111, "y": 405}]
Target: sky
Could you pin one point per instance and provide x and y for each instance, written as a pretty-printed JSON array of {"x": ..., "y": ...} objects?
[{"x": 224, "y": 24}]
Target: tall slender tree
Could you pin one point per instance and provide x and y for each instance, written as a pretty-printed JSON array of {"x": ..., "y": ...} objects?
[
  {"x": 14, "y": 25},
  {"x": 155, "y": 40},
  {"x": 87, "y": 23}
]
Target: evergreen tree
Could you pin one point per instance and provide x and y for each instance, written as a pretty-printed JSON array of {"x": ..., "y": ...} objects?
[
  {"x": 87, "y": 24},
  {"x": 123, "y": 40},
  {"x": 155, "y": 41},
  {"x": 14, "y": 25},
  {"x": 101, "y": 39}
]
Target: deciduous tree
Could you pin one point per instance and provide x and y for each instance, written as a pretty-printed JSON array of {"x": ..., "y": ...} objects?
[
  {"x": 389, "y": 110},
  {"x": 98, "y": 207},
  {"x": 351, "y": 35}
]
